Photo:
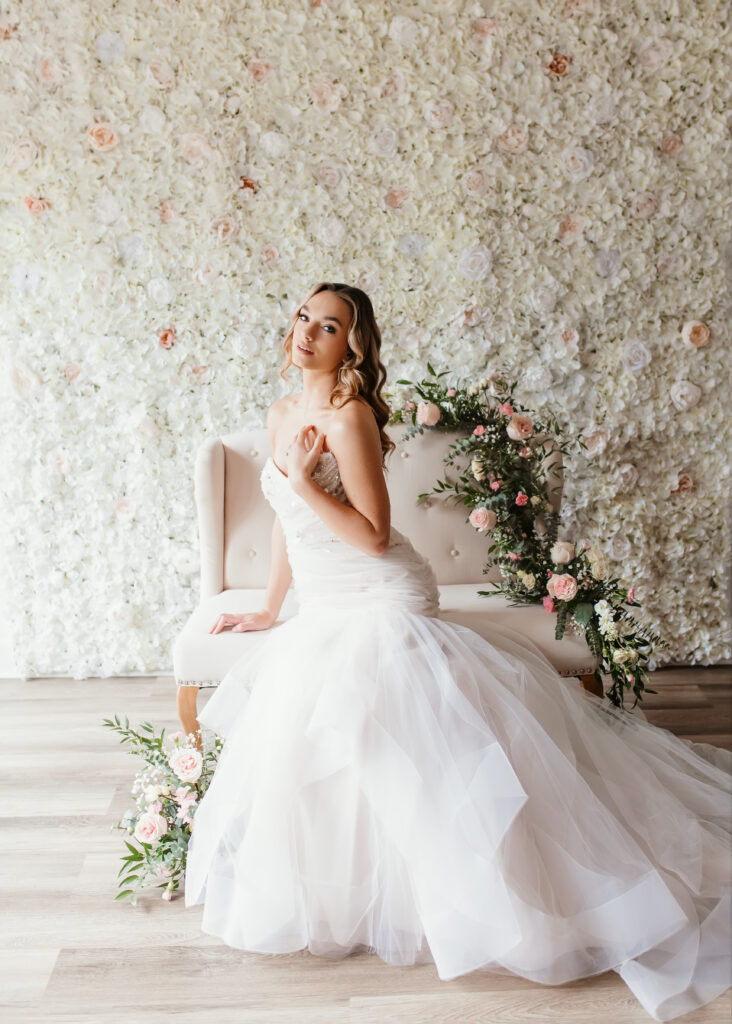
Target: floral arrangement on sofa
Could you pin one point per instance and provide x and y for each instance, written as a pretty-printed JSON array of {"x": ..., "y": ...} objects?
[
  {"x": 167, "y": 792},
  {"x": 504, "y": 483}
]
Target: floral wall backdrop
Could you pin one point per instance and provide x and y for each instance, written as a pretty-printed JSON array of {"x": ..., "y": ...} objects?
[{"x": 541, "y": 184}]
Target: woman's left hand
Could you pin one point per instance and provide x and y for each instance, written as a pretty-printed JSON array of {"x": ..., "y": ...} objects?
[{"x": 303, "y": 453}]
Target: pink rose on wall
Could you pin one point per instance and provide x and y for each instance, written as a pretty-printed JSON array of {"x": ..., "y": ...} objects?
[
  {"x": 513, "y": 139},
  {"x": 160, "y": 74},
  {"x": 685, "y": 484},
  {"x": 201, "y": 373},
  {"x": 167, "y": 210},
  {"x": 562, "y": 587},
  {"x": 428, "y": 414},
  {"x": 571, "y": 227},
  {"x": 71, "y": 371},
  {"x": 483, "y": 519},
  {"x": 672, "y": 144},
  {"x": 102, "y": 136},
  {"x": 269, "y": 254},
  {"x": 394, "y": 87},
  {"x": 166, "y": 337},
  {"x": 47, "y": 72},
  {"x": 259, "y": 68},
  {"x": 439, "y": 112},
  {"x": 195, "y": 149},
  {"x": 519, "y": 427},
  {"x": 34, "y": 205},
  {"x": 559, "y": 64},
  {"x": 326, "y": 95},
  {"x": 21, "y": 154},
  {"x": 328, "y": 175},
  {"x": 484, "y": 28},
  {"x": 396, "y": 197},
  {"x": 474, "y": 182},
  {"x": 224, "y": 227}
]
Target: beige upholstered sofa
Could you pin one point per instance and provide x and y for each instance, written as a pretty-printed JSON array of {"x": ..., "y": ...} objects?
[{"x": 235, "y": 524}]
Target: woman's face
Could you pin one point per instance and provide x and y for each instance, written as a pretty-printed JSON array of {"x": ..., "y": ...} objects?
[{"x": 320, "y": 337}]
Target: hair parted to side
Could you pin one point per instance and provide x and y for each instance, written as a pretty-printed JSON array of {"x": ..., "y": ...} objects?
[{"x": 362, "y": 372}]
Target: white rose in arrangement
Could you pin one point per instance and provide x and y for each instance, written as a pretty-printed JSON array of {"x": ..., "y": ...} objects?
[
  {"x": 599, "y": 567},
  {"x": 476, "y": 468},
  {"x": 685, "y": 395},
  {"x": 187, "y": 763},
  {"x": 529, "y": 580},
  {"x": 150, "y": 828},
  {"x": 562, "y": 552},
  {"x": 695, "y": 333}
]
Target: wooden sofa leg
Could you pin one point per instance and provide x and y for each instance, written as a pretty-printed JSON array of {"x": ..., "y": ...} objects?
[
  {"x": 186, "y": 701},
  {"x": 589, "y": 682}
]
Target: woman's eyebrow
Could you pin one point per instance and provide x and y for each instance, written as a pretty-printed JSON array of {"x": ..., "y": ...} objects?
[{"x": 306, "y": 310}]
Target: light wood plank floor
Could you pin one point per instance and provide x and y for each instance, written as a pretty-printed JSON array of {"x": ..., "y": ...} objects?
[{"x": 71, "y": 954}]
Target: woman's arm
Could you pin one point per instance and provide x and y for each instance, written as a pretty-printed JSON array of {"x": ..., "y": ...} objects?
[
  {"x": 355, "y": 441},
  {"x": 280, "y": 572}
]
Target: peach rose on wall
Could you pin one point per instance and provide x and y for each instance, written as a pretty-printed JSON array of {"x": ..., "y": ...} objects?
[
  {"x": 695, "y": 333},
  {"x": 326, "y": 95},
  {"x": 513, "y": 139},
  {"x": 102, "y": 136}
]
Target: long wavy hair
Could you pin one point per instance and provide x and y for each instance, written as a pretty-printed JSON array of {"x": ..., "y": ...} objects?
[{"x": 361, "y": 373}]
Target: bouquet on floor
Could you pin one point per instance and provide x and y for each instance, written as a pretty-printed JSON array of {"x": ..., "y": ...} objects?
[
  {"x": 167, "y": 791},
  {"x": 506, "y": 453}
]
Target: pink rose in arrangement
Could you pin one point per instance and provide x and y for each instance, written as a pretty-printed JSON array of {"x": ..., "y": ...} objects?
[
  {"x": 562, "y": 587},
  {"x": 514, "y": 556},
  {"x": 150, "y": 828},
  {"x": 631, "y": 594},
  {"x": 483, "y": 519},
  {"x": 505, "y": 408},
  {"x": 548, "y": 603},
  {"x": 409, "y": 406},
  {"x": 185, "y": 798},
  {"x": 524, "y": 452},
  {"x": 479, "y": 430},
  {"x": 187, "y": 763},
  {"x": 521, "y": 498},
  {"x": 519, "y": 427},
  {"x": 495, "y": 484},
  {"x": 451, "y": 392},
  {"x": 428, "y": 414}
]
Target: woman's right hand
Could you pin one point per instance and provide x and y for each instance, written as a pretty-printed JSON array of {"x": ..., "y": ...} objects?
[{"x": 243, "y": 623}]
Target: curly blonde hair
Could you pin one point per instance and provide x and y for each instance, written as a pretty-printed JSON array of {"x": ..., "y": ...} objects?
[{"x": 361, "y": 373}]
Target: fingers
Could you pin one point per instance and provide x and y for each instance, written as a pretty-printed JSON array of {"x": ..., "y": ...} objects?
[{"x": 223, "y": 621}]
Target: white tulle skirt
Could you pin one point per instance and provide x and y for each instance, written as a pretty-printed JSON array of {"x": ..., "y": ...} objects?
[{"x": 393, "y": 782}]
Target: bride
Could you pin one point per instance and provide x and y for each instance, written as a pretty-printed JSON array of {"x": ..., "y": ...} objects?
[{"x": 396, "y": 783}]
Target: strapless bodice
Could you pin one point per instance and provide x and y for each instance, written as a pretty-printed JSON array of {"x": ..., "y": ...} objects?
[{"x": 328, "y": 571}]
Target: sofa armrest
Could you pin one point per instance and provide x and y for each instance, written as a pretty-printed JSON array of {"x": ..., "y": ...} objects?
[{"x": 209, "y": 492}]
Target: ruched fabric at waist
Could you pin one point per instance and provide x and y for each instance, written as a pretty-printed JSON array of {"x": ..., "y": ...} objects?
[{"x": 338, "y": 575}]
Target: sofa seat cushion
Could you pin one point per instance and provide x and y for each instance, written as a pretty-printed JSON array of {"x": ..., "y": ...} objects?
[
  {"x": 203, "y": 659},
  {"x": 461, "y": 603}
]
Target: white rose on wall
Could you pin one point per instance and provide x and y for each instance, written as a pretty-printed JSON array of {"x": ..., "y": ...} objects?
[
  {"x": 577, "y": 163},
  {"x": 385, "y": 140},
  {"x": 685, "y": 395},
  {"x": 475, "y": 263},
  {"x": 626, "y": 477},
  {"x": 635, "y": 355}
]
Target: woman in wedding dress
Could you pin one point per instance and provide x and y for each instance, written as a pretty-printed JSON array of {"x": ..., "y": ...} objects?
[{"x": 394, "y": 782}]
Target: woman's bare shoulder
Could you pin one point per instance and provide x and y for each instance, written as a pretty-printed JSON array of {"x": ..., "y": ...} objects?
[{"x": 279, "y": 408}]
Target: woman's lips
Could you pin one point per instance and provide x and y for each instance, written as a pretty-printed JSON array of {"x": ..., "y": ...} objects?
[{"x": 307, "y": 351}]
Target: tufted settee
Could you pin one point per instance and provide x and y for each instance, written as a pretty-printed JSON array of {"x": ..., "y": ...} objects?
[{"x": 235, "y": 523}]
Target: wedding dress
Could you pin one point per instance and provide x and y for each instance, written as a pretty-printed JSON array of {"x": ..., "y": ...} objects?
[{"x": 394, "y": 782}]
